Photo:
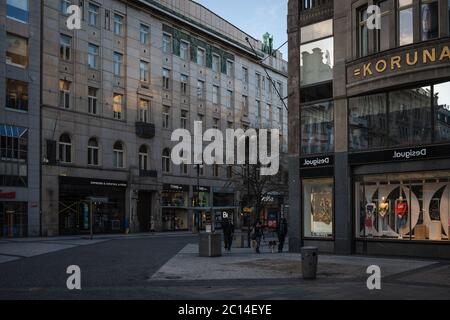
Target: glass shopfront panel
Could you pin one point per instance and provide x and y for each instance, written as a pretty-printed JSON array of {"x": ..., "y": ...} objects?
[
  {"x": 316, "y": 62},
  {"x": 13, "y": 219},
  {"x": 441, "y": 97},
  {"x": 317, "y": 125},
  {"x": 409, "y": 206},
  {"x": 174, "y": 198},
  {"x": 318, "y": 208}
]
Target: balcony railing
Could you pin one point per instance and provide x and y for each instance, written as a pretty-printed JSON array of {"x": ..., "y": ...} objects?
[{"x": 145, "y": 130}]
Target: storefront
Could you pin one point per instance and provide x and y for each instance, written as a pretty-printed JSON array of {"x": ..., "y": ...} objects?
[
  {"x": 175, "y": 204},
  {"x": 82, "y": 200},
  {"x": 13, "y": 218},
  {"x": 202, "y": 207},
  {"x": 224, "y": 206}
]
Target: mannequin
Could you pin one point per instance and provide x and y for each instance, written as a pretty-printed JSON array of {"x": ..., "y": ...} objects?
[
  {"x": 401, "y": 213},
  {"x": 369, "y": 219},
  {"x": 383, "y": 211}
]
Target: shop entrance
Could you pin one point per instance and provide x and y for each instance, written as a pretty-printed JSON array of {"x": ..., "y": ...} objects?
[
  {"x": 144, "y": 212},
  {"x": 13, "y": 219}
]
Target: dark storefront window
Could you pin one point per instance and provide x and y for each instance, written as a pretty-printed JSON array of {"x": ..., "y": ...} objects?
[
  {"x": 368, "y": 122},
  {"x": 13, "y": 219},
  {"x": 410, "y": 116},
  {"x": 442, "y": 111},
  {"x": 174, "y": 199},
  {"x": 429, "y": 22},
  {"x": 407, "y": 206},
  {"x": 317, "y": 128},
  {"x": 318, "y": 208},
  {"x": 13, "y": 156},
  {"x": 400, "y": 118}
]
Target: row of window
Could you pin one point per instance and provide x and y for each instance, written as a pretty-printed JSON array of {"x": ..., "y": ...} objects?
[{"x": 427, "y": 20}]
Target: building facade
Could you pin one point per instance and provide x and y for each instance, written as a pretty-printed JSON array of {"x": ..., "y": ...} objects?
[
  {"x": 113, "y": 92},
  {"x": 19, "y": 118},
  {"x": 369, "y": 127}
]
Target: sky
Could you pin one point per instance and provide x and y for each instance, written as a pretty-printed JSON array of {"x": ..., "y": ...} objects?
[{"x": 254, "y": 17}]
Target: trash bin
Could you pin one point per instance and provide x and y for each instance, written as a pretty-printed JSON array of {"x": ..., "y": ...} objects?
[
  {"x": 210, "y": 244},
  {"x": 309, "y": 262}
]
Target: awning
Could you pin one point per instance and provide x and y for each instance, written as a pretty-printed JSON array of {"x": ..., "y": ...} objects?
[{"x": 12, "y": 131}]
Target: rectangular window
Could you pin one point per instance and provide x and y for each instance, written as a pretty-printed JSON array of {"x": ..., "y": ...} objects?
[
  {"x": 442, "y": 112},
  {"x": 258, "y": 112},
  {"x": 117, "y": 60},
  {"x": 215, "y": 95},
  {"x": 216, "y": 63},
  {"x": 258, "y": 83},
  {"x": 318, "y": 208},
  {"x": 215, "y": 170},
  {"x": 117, "y": 106},
  {"x": 166, "y": 79},
  {"x": 167, "y": 43},
  {"x": 316, "y": 31},
  {"x": 317, "y": 128},
  {"x": 317, "y": 55},
  {"x": 245, "y": 75},
  {"x": 92, "y": 100},
  {"x": 16, "y": 95},
  {"x": 201, "y": 56},
  {"x": 245, "y": 105},
  {"x": 368, "y": 122},
  {"x": 383, "y": 36},
  {"x": 229, "y": 99},
  {"x": 93, "y": 51},
  {"x": 13, "y": 156},
  {"x": 363, "y": 32},
  {"x": 184, "y": 84},
  {"x": 201, "y": 90},
  {"x": 64, "y": 4},
  {"x": 184, "y": 50},
  {"x": 17, "y": 10},
  {"x": 405, "y": 21},
  {"x": 93, "y": 12},
  {"x": 166, "y": 117},
  {"x": 65, "y": 47},
  {"x": 64, "y": 94},
  {"x": 429, "y": 12},
  {"x": 144, "y": 32},
  {"x": 118, "y": 24},
  {"x": 230, "y": 68},
  {"x": 184, "y": 119},
  {"x": 144, "y": 109},
  {"x": 143, "y": 71},
  {"x": 16, "y": 51},
  {"x": 269, "y": 114},
  {"x": 216, "y": 123}
]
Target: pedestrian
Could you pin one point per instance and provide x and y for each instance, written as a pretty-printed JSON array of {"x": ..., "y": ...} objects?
[
  {"x": 258, "y": 233},
  {"x": 228, "y": 232},
  {"x": 282, "y": 230}
]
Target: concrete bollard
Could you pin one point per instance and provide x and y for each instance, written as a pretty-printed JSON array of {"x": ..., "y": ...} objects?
[
  {"x": 310, "y": 257},
  {"x": 210, "y": 244}
]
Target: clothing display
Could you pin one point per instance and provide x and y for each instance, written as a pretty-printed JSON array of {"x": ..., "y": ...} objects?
[
  {"x": 370, "y": 215},
  {"x": 383, "y": 207},
  {"x": 401, "y": 208}
]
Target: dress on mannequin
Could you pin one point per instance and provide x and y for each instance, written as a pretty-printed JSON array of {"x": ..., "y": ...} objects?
[
  {"x": 383, "y": 211},
  {"x": 401, "y": 212},
  {"x": 369, "y": 219}
]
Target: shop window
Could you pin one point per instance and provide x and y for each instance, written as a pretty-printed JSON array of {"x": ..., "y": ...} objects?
[
  {"x": 13, "y": 156},
  {"x": 93, "y": 152},
  {"x": 408, "y": 206},
  {"x": 405, "y": 21},
  {"x": 317, "y": 53},
  {"x": 429, "y": 20},
  {"x": 368, "y": 122},
  {"x": 410, "y": 116},
  {"x": 13, "y": 219},
  {"x": 318, "y": 208},
  {"x": 16, "y": 95},
  {"x": 317, "y": 128},
  {"x": 166, "y": 161},
  {"x": 16, "y": 51},
  {"x": 143, "y": 158},
  {"x": 441, "y": 100},
  {"x": 65, "y": 148},
  {"x": 17, "y": 10},
  {"x": 118, "y": 155}
]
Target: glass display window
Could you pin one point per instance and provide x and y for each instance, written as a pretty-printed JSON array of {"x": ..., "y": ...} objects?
[
  {"x": 408, "y": 206},
  {"x": 174, "y": 199},
  {"x": 318, "y": 204}
]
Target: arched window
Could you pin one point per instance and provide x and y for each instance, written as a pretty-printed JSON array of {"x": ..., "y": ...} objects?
[
  {"x": 65, "y": 148},
  {"x": 93, "y": 149},
  {"x": 166, "y": 160},
  {"x": 143, "y": 158},
  {"x": 118, "y": 151}
]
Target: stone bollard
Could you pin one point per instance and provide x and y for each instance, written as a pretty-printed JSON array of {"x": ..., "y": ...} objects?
[{"x": 310, "y": 256}]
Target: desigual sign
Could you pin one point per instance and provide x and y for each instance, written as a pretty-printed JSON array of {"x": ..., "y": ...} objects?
[
  {"x": 398, "y": 155},
  {"x": 399, "y": 61},
  {"x": 316, "y": 162}
]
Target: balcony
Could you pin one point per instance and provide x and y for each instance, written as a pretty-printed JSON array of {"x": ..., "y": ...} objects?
[{"x": 145, "y": 130}]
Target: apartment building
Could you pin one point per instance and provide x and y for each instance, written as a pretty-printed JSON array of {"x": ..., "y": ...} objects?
[
  {"x": 369, "y": 144},
  {"x": 113, "y": 92},
  {"x": 19, "y": 118}
]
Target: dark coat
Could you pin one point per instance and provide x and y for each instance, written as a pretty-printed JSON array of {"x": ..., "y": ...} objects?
[{"x": 282, "y": 228}]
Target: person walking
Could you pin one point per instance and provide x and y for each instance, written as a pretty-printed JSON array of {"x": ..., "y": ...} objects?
[
  {"x": 282, "y": 230},
  {"x": 258, "y": 233},
  {"x": 228, "y": 232}
]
